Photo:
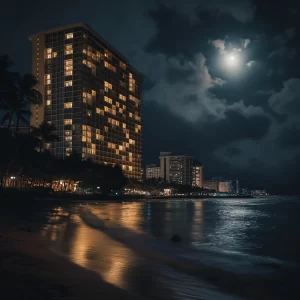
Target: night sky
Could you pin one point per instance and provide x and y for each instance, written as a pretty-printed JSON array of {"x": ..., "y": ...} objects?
[{"x": 240, "y": 118}]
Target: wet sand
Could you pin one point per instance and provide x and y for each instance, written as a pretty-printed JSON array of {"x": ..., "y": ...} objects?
[{"x": 29, "y": 269}]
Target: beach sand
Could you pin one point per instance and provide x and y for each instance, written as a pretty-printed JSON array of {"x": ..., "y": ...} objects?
[{"x": 29, "y": 269}]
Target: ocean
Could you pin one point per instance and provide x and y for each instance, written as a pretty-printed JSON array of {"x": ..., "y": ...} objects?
[{"x": 229, "y": 248}]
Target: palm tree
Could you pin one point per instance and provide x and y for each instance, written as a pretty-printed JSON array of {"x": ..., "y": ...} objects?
[
  {"x": 44, "y": 134},
  {"x": 26, "y": 94},
  {"x": 7, "y": 85},
  {"x": 16, "y": 93}
]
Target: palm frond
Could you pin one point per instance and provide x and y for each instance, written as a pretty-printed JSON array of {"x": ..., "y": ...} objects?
[{"x": 5, "y": 117}]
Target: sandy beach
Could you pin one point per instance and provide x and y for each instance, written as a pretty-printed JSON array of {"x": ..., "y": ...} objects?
[{"x": 29, "y": 269}]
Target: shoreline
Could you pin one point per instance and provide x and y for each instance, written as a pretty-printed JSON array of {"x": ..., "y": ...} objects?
[{"x": 31, "y": 270}]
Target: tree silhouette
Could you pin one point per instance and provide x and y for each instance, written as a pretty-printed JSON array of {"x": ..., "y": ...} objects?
[{"x": 44, "y": 134}]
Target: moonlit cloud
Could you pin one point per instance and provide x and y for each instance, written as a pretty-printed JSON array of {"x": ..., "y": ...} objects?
[
  {"x": 219, "y": 44},
  {"x": 246, "y": 42},
  {"x": 250, "y": 64}
]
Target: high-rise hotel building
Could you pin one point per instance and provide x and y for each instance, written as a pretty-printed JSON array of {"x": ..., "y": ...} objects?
[{"x": 91, "y": 94}]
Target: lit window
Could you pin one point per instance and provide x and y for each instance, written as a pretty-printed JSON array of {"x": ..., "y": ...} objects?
[
  {"x": 68, "y": 73},
  {"x": 109, "y": 145},
  {"x": 48, "y": 76},
  {"x": 54, "y": 54},
  {"x": 97, "y": 136},
  {"x": 121, "y": 148},
  {"x": 109, "y": 66},
  {"x": 120, "y": 110},
  {"x": 124, "y": 125},
  {"x": 69, "y": 36},
  {"x": 84, "y": 62},
  {"x": 68, "y": 132},
  {"x": 84, "y": 138},
  {"x": 69, "y": 47},
  {"x": 106, "y": 99},
  {"x": 106, "y": 84},
  {"x": 84, "y": 127},
  {"x": 89, "y": 113},
  {"x": 98, "y": 131},
  {"x": 130, "y": 168},
  {"x": 127, "y": 136},
  {"x": 48, "y": 92},
  {"x": 113, "y": 112},
  {"x": 68, "y": 83},
  {"x": 117, "y": 123},
  {"x": 99, "y": 111},
  {"x": 122, "y": 65},
  {"x": 48, "y": 81},
  {"x": 68, "y": 138},
  {"x": 105, "y": 108},
  {"x": 105, "y": 128},
  {"x": 84, "y": 51},
  {"x": 49, "y": 56},
  {"x": 48, "y": 102},
  {"x": 130, "y": 115},
  {"x": 93, "y": 93},
  {"x": 122, "y": 97},
  {"x": 67, "y": 121},
  {"x": 67, "y": 52},
  {"x": 49, "y": 50},
  {"x": 69, "y": 62},
  {"x": 68, "y": 105},
  {"x": 117, "y": 151}
]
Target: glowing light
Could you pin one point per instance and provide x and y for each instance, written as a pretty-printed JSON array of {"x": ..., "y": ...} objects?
[{"x": 232, "y": 60}]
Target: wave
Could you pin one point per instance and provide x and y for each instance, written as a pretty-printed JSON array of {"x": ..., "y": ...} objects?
[{"x": 238, "y": 273}]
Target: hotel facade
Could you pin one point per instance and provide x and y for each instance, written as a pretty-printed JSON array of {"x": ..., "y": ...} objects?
[{"x": 91, "y": 94}]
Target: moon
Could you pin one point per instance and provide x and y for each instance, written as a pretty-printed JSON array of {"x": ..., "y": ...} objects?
[{"x": 232, "y": 60}]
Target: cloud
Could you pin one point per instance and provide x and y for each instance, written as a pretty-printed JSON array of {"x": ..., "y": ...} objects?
[
  {"x": 219, "y": 44},
  {"x": 289, "y": 137},
  {"x": 281, "y": 44},
  {"x": 191, "y": 97},
  {"x": 246, "y": 42},
  {"x": 265, "y": 92},
  {"x": 250, "y": 64},
  {"x": 287, "y": 99},
  {"x": 241, "y": 10},
  {"x": 283, "y": 52}
]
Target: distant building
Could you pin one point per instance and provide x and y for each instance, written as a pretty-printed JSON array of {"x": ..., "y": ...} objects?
[
  {"x": 237, "y": 187},
  {"x": 152, "y": 171},
  {"x": 198, "y": 175},
  {"x": 176, "y": 168},
  {"x": 225, "y": 187},
  {"x": 211, "y": 185}
]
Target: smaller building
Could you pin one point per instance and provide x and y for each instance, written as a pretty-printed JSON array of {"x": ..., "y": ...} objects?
[
  {"x": 176, "y": 168},
  {"x": 225, "y": 187},
  {"x": 152, "y": 171},
  {"x": 211, "y": 185},
  {"x": 198, "y": 175}
]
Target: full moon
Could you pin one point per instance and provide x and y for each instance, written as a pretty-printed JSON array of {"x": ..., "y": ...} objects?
[{"x": 232, "y": 60}]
